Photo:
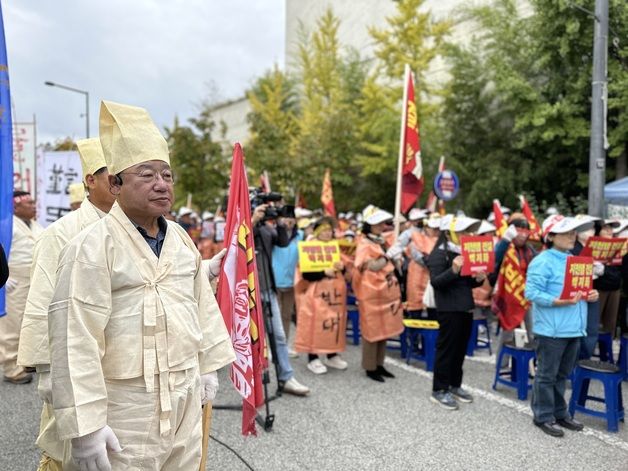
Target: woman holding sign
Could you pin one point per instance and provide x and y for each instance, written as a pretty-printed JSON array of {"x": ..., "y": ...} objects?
[
  {"x": 377, "y": 290},
  {"x": 454, "y": 305},
  {"x": 321, "y": 298},
  {"x": 559, "y": 320}
]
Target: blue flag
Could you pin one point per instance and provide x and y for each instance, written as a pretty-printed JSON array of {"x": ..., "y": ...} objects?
[{"x": 6, "y": 157}]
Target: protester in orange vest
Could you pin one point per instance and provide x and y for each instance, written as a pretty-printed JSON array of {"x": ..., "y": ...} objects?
[
  {"x": 321, "y": 299},
  {"x": 418, "y": 241},
  {"x": 377, "y": 291}
]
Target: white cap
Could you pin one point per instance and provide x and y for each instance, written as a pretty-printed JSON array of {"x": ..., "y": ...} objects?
[
  {"x": 586, "y": 220},
  {"x": 465, "y": 223},
  {"x": 485, "y": 227},
  {"x": 491, "y": 217},
  {"x": 559, "y": 224},
  {"x": 614, "y": 223},
  {"x": 183, "y": 210},
  {"x": 417, "y": 214},
  {"x": 433, "y": 221},
  {"x": 445, "y": 222},
  {"x": 373, "y": 215},
  {"x": 207, "y": 215},
  {"x": 302, "y": 213},
  {"x": 551, "y": 211},
  {"x": 623, "y": 224}
]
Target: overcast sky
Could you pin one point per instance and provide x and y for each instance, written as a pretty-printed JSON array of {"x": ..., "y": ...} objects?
[{"x": 161, "y": 55}]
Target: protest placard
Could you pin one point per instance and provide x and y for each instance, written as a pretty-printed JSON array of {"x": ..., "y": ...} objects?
[
  {"x": 478, "y": 254},
  {"x": 608, "y": 250},
  {"x": 578, "y": 277},
  {"x": 317, "y": 255}
]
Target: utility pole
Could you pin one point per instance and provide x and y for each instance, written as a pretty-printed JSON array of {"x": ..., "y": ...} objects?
[{"x": 597, "y": 149}]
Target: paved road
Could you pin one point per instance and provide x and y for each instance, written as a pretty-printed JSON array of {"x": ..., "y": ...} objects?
[{"x": 352, "y": 423}]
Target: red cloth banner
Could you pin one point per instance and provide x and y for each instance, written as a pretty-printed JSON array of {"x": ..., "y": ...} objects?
[
  {"x": 478, "y": 254},
  {"x": 239, "y": 297},
  {"x": 535, "y": 228},
  {"x": 412, "y": 169},
  {"x": 509, "y": 302},
  {"x": 608, "y": 250},
  {"x": 500, "y": 221},
  {"x": 327, "y": 196},
  {"x": 578, "y": 277}
]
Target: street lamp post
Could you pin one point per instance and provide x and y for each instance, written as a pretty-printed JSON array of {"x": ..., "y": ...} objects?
[{"x": 65, "y": 87}]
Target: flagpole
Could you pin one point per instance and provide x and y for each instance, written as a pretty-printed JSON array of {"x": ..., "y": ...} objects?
[{"x": 404, "y": 111}]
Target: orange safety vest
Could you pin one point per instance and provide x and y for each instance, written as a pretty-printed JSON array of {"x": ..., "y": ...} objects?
[
  {"x": 378, "y": 295},
  {"x": 418, "y": 276}
]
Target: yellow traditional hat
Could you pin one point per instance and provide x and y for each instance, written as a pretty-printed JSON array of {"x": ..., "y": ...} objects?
[
  {"x": 77, "y": 192},
  {"x": 92, "y": 158},
  {"x": 129, "y": 136}
]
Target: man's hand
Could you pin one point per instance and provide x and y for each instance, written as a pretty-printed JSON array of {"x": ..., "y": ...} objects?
[
  {"x": 258, "y": 214},
  {"x": 510, "y": 233},
  {"x": 456, "y": 264},
  {"x": 480, "y": 276},
  {"x": 594, "y": 295},
  {"x": 209, "y": 387},
  {"x": 339, "y": 266},
  {"x": 90, "y": 451},
  {"x": 214, "y": 264},
  {"x": 598, "y": 269},
  {"x": 568, "y": 302}
]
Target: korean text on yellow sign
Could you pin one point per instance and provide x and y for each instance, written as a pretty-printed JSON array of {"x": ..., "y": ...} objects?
[{"x": 318, "y": 256}]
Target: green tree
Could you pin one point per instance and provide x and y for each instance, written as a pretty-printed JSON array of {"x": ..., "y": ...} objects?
[{"x": 201, "y": 168}]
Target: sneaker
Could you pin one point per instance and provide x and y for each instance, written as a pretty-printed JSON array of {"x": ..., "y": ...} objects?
[
  {"x": 292, "y": 386},
  {"x": 292, "y": 353},
  {"x": 24, "y": 378},
  {"x": 444, "y": 399},
  {"x": 336, "y": 363},
  {"x": 316, "y": 366},
  {"x": 462, "y": 395}
]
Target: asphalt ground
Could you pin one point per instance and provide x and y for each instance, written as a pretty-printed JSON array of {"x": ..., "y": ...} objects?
[{"x": 352, "y": 423}]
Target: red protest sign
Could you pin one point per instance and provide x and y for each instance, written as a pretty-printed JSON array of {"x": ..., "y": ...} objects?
[
  {"x": 578, "y": 277},
  {"x": 478, "y": 254},
  {"x": 608, "y": 250}
]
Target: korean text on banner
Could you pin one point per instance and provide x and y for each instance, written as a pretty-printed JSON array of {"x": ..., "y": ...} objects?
[
  {"x": 412, "y": 169},
  {"x": 578, "y": 277},
  {"x": 608, "y": 250},
  {"x": 478, "y": 254},
  {"x": 318, "y": 256},
  {"x": 56, "y": 171}
]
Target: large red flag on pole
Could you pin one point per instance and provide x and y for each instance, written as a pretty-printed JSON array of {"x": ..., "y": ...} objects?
[
  {"x": 535, "y": 229},
  {"x": 500, "y": 221},
  {"x": 327, "y": 196},
  {"x": 410, "y": 169},
  {"x": 238, "y": 296}
]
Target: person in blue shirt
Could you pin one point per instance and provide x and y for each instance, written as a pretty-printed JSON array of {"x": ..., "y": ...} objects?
[{"x": 558, "y": 325}]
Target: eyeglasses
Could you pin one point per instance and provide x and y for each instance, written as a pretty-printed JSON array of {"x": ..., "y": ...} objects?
[{"x": 148, "y": 175}]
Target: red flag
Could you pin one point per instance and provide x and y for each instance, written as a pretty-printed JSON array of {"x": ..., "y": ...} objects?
[
  {"x": 412, "y": 169},
  {"x": 327, "y": 196},
  {"x": 535, "y": 229},
  {"x": 430, "y": 205},
  {"x": 500, "y": 221},
  {"x": 238, "y": 296},
  {"x": 509, "y": 303}
]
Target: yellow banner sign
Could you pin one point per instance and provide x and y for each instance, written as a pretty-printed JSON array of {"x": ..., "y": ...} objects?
[
  {"x": 318, "y": 256},
  {"x": 420, "y": 324}
]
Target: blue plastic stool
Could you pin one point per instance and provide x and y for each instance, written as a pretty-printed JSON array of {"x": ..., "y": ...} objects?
[
  {"x": 623, "y": 357},
  {"x": 476, "y": 343},
  {"x": 611, "y": 378},
  {"x": 605, "y": 347},
  {"x": 353, "y": 326},
  {"x": 520, "y": 360},
  {"x": 426, "y": 351}
]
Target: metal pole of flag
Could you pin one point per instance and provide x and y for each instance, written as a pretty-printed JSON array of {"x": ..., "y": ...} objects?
[
  {"x": 404, "y": 111},
  {"x": 72, "y": 89}
]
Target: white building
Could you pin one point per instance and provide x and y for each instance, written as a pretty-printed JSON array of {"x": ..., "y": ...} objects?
[{"x": 356, "y": 16}]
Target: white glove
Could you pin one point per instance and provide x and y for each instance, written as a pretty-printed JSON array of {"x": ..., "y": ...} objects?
[
  {"x": 44, "y": 387},
  {"x": 510, "y": 233},
  {"x": 214, "y": 264},
  {"x": 209, "y": 387},
  {"x": 90, "y": 451},
  {"x": 598, "y": 270},
  {"x": 10, "y": 285}
]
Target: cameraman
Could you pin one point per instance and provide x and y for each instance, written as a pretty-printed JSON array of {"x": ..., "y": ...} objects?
[{"x": 266, "y": 235}]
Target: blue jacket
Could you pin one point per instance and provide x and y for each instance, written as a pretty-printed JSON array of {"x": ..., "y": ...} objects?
[
  {"x": 544, "y": 283},
  {"x": 284, "y": 261}
]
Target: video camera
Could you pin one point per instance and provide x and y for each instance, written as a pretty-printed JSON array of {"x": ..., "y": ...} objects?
[{"x": 258, "y": 197}]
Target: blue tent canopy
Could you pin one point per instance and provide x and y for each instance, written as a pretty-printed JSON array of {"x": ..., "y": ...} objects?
[{"x": 617, "y": 192}]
